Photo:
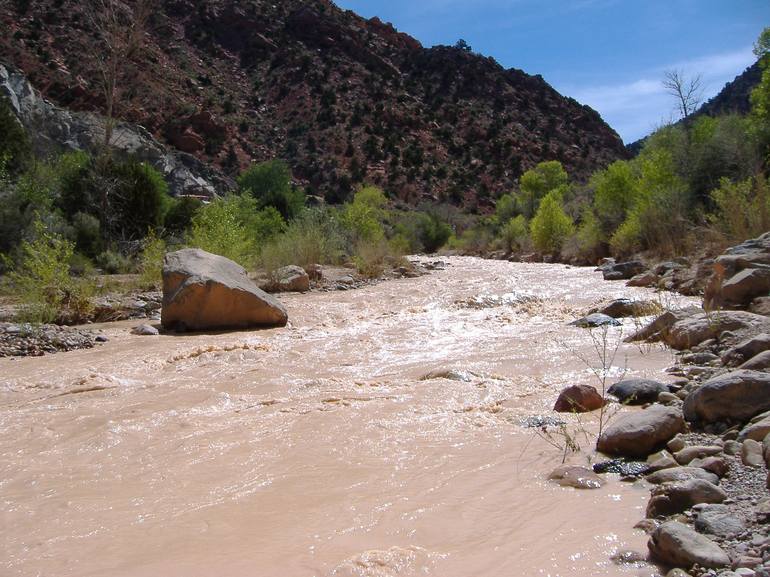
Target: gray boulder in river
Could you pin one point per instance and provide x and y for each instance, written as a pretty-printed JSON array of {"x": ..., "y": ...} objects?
[{"x": 204, "y": 291}]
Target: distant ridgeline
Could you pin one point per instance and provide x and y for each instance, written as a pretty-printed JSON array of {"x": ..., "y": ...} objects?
[{"x": 342, "y": 99}]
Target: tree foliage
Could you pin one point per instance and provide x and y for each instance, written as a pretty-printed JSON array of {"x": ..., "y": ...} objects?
[{"x": 270, "y": 184}]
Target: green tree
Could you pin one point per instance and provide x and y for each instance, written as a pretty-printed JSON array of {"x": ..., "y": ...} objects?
[
  {"x": 270, "y": 183},
  {"x": 364, "y": 215},
  {"x": 538, "y": 182},
  {"x": 615, "y": 193},
  {"x": 551, "y": 226},
  {"x": 218, "y": 228}
]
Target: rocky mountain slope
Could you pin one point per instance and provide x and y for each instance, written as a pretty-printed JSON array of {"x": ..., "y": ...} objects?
[{"x": 343, "y": 99}]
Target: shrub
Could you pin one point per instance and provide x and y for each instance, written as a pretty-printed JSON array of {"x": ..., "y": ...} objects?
[
  {"x": 218, "y": 228},
  {"x": 88, "y": 238},
  {"x": 128, "y": 197},
  {"x": 515, "y": 234},
  {"x": 111, "y": 262},
  {"x": 371, "y": 256},
  {"x": 616, "y": 192},
  {"x": 628, "y": 237},
  {"x": 363, "y": 217},
  {"x": 151, "y": 261},
  {"x": 313, "y": 238},
  {"x": 270, "y": 184},
  {"x": 180, "y": 213},
  {"x": 588, "y": 242},
  {"x": 42, "y": 282},
  {"x": 551, "y": 226},
  {"x": 433, "y": 233},
  {"x": 742, "y": 209}
]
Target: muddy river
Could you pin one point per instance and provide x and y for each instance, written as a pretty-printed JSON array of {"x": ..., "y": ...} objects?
[{"x": 320, "y": 449}]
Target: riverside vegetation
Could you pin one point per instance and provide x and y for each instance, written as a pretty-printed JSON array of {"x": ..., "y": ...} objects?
[{"x": 694, "y": 183}]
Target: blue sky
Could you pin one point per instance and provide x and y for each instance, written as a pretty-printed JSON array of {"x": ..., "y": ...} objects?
[{"x": 610, "y": 54}]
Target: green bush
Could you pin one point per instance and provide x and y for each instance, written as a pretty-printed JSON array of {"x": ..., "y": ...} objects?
[
  {"x": 219, "y": 229},
  {"x": 111, "y": 262},
  {"x": 270, "y": 184},
  {"x": 551, "y": 226},
  {"x": 515, "y": 234},
  {"x": 742, "y": 209},
  {"x": 588, "y": 242},
  {"x": 128, "y": 197},
  {"x": 180, "y": 213},
  {"x": 627, "y": 239},
  {"x": 432, "y": 232},
  {"x": 537, "y": 182},
  {"x": 364, "y": 216},
  {"x": 151, "y": 261},
  {"x": 313, "y": 238},
  {"x": 41, "y": 280},
  {"x": 615, "y": 193},
  {"x": 88, "y": 237},
  {"x": 371, "y": 257}
]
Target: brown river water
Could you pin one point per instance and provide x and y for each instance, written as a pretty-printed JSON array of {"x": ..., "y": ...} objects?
[{"x": 317, "y": 450}]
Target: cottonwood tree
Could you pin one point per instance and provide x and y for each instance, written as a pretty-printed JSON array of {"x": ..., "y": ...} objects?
[
  {"x": 120, "y": 27},
  {"x": 688, "y": 92}
]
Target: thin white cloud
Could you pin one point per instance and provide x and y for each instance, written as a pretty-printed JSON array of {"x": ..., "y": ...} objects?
[{"x": 637, "y": 107}]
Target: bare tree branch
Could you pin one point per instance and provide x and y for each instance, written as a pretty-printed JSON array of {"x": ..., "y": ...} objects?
[
  {"x": 687, "y": 91},
  {"x": 120, "y": 26}
]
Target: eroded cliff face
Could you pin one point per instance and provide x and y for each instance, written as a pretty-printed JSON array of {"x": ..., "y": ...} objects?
[
  {"x": 53, "y": 129},
  {"x": 343, "y": 99}
]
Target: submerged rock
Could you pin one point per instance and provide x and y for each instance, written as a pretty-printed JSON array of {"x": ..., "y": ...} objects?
[
  {"x": 595, "y": 320},
  {"x": 577, "y": 477},
  {"x": 203, "y": 291}
]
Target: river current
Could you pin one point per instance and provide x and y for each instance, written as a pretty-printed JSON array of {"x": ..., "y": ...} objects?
[{"x": 321, "y": 449}]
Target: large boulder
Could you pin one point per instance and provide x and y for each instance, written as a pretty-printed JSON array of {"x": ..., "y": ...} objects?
[
  {"x": 693, "y": 330},
  {"x": 678, "y": 545},
  {"x": 735, "y": 396},
  {"x": 741, "y": 288},
  {"x": 640, "y": 433},
  {"x": 203, "y": 291},
  {"x": 747, "y": 349},
  {"x": 733, "y": 283},
  {"x": 637, "y": 391}
]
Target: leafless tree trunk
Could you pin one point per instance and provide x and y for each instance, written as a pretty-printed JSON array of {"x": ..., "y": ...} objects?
[
  {"x": 121, "y": 26},
  {"x": 687, "y": 91}
]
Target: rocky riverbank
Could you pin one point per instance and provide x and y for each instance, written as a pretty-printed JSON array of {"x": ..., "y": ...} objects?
[{"x": 701, "y": 443}]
